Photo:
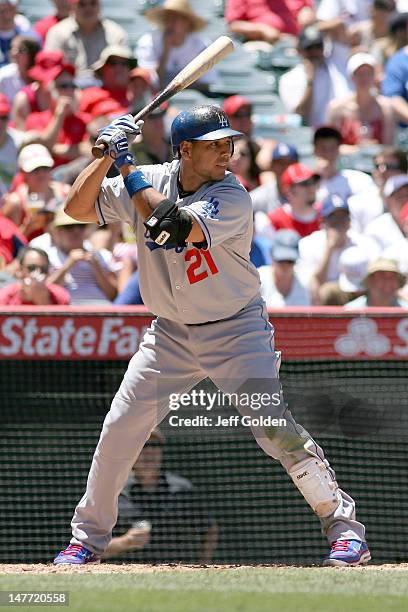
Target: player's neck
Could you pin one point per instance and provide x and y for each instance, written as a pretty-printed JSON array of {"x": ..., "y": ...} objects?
[{"x": 188, "y": 181}]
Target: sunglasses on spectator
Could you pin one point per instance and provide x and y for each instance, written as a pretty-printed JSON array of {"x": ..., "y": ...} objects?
[
  {"x": 21, "y": 50},
  {"x": 83, "y": 4},
  {"x": 34, "y": 267},
  {"x": 242, "y": 114},
  {"x": 383, "y": 167},
  {"x": 65, "y": 85},
  {"x": 314, "y": 47},
  {"x": 307, "y": 182},
  {"x": 4, "y": 117},
  {"x": 118, "y": 62}
]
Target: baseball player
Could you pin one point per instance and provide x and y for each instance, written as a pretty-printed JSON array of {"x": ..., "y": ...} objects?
[{"x": 193, "y": 222}]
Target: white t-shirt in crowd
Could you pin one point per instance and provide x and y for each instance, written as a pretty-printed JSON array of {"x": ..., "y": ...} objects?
[
  {"x": 313, "y": 247},
  {"x": 345, "y": 184},
  {"x": 80, "y": 280},
  {"x": 365, "y": 207},
  {"x": 398, "y": 252},
  {"x": 384, "y": 230},
  {"x": 298, "y": 295},
  {"x": 150, "y": 48},
  {"x": 362, "y": 302},
  {"x": 351, "y": 11},
  {"x": 330, "y": 82},
  {"x": 10, "y": 81}
]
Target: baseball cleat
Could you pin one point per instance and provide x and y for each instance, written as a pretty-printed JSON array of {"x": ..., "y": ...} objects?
[
  {"x": 347, "y": 553},
  {"x": 75, "y": 554}
]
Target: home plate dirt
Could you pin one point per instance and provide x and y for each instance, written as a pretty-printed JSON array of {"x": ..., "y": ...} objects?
[{"x": 136, "y": 568}]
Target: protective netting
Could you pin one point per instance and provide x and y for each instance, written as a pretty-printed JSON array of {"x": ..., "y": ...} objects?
[{"x": 52, "y": 413}]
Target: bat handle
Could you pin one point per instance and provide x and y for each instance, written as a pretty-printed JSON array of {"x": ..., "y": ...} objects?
[{"x": 98, "y": 151}]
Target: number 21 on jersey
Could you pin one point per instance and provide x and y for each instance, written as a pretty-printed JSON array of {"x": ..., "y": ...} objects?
[{"x": 201, "y": 265}]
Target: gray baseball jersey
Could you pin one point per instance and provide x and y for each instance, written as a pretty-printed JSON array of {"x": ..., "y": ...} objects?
[{"x": 187, "y": 284}]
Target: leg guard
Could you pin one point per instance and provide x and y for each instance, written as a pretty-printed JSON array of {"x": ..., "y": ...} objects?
[{"x": 314, "y": 480}]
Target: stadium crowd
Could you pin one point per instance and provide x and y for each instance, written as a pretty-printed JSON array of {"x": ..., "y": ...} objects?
[{"x": 326, "y": 232}]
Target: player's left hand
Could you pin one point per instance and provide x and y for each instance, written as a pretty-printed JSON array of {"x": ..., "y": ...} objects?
[{"x": 125, "y": 124}]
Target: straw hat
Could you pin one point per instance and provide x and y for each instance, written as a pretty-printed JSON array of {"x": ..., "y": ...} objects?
[
  {"x": 385, "y": 265},
  {"x": 157, "y": 14}
]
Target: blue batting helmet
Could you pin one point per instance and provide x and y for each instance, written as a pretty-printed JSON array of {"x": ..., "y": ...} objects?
[{"x": 200, "y": 123}]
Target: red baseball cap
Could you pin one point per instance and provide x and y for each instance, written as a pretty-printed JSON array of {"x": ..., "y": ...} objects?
[
  {"x": 234, "y": 103},
  {"x": 44, "y": 61},
  {"x": 108, "y": 107},
  {"x": 297, "y": 173},
  {"x": 404, "y": 213},
  {"x": 4, "y": 105}
]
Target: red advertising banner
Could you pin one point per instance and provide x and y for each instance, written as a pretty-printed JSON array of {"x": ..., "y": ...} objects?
[{"x": 301, "y": 334}]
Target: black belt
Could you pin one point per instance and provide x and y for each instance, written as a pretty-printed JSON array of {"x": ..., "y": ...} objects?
[{"x": 206, "y": 322}]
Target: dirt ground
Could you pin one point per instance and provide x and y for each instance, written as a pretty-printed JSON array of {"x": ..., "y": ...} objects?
[{"x": 135, "y": 568}]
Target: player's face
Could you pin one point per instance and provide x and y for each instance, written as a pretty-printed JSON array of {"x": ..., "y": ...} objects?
[{"x": 209, "y": 158}]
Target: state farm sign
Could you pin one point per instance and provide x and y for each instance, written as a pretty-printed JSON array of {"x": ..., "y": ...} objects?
[
  {"x": 69, "y": 337},
  {"x": 301, "y": 334}
]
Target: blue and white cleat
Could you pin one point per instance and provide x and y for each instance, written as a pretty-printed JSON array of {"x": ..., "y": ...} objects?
[
  {"x": 347, "y": 553},
  {"x": 75, "y": 554}
]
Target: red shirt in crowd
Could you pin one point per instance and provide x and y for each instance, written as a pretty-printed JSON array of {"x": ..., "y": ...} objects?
[
  {"x": 43, "y": 25},
  {"x": 279, "y": 14},
  {"x": 283, "y": 218},
  {"x": 11, "y": 239},
  {"x": 94, "y": 95},
  {"x": 10, "y": 295},
  {"x": 73, "y": 129}
]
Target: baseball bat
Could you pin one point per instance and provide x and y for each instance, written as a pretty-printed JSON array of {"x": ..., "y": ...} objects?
[{"x": 190, "y": 73}]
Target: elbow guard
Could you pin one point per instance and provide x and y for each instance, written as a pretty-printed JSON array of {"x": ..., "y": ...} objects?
[{"x": 168, "y": 224}]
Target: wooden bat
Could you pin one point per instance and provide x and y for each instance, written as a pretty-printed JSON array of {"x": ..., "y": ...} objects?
[{"x": 193, "y": 71}]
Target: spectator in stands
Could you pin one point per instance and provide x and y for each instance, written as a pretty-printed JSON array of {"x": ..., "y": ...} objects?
[
  {"x": 267, "y": 20},
  {"x": 87, "y": 275},
  {"x": 300, "y": 213},
  {"x": 14, "y": 76},
  {"x": 166, "y": 50},
  {"x": 33, "y": 286},
  {"x": 280, "y": 283},
  {"x": 368, "y": 32},
  {"x": 62, "y": 128},
  {"x": 243, "y": 163},
  {"x": 152, "y": 147},
  {"x": 63, "y": 9},
  {"x": 140, "y": 89},
  {"x": 337, "y": 18},
  {"x": 113, "y": 69},
  {"x": 344, "y": 183},
  {"x": 269, "y": 195},
  {"x": 320, "y": 252},
  {"x": 319, "y": 78},
  {"x": 394, "y": 82},
  {"x": 239, "y": 111},
  {"x": 387, "y": 229},
  {"x": 396, "y": 39},
  {"x": 10, "y": 141},
  {"x": 11, "y": 241},
  {"x": 363, "y": 117},
  {"x": 32, "y": 204},
  {"x": 399, "y": 249},
  {"x": 11, "y": 25},
  {"x": 82, "y": 37},
  {"x": 161, "y": 515},
  {"x": 383, "y": 282},
  {"x": 369, "y": 204},
  {"x": 353, "y": 265},
  {"x": 35, "y": 97}
]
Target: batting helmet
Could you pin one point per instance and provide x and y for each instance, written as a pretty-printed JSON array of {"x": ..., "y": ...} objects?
[{"x": 200, "y": 123}]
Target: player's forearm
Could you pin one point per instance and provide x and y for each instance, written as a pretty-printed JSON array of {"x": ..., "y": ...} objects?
[
  {"x": 209, "y": 544},
  {"x": 115, "y": 547},
  {"x": 84, "y": 192},
  {"x": 105, "y": 281},
  {"x": 146, "y": 200}
]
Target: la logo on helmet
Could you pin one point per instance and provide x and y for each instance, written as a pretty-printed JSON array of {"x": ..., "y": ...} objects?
[{"x": 223, "y": 120}]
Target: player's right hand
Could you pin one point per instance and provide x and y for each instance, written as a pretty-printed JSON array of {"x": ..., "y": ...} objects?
[{"x": 136, "y": 539}]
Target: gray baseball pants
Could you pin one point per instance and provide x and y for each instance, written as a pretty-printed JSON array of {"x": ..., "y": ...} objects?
[{"x": 173, "y": 358}]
